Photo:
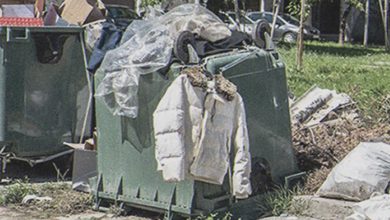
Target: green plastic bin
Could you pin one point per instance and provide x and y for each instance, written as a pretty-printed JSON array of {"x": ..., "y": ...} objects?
[
  {"x": 43, "y": 90},
  {"x": 126, "y": 157}
]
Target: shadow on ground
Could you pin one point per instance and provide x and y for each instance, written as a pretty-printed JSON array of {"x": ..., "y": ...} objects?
[
  {"x": 59, "y": 169},
  {"x": 334, "y": 49}
]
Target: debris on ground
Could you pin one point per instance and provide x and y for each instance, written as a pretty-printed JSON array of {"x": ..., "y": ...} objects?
[
  {"x": 48, "y": 199},
  {"x": 316, "y": 106},
  {"x": 32, "y": 198},
  {"x": 320, "y": 146}
]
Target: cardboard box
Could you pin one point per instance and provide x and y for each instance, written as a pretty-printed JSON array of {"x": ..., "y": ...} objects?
[{"x": 80, "y": 11}]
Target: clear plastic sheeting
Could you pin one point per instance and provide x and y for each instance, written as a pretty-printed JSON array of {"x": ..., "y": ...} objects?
[{"x": 149, "y": 49}]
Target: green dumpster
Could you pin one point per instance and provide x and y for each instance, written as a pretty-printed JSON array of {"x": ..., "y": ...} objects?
[
  {"x": 126, "y": 151},
  {"x": 43, "y": 91}
]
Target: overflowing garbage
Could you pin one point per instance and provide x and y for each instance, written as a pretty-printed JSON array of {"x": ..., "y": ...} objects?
[
  {"x": 155, "y": 44},
  {"x": 196, "y": 118},
  {"x": 169, "y": 100}
]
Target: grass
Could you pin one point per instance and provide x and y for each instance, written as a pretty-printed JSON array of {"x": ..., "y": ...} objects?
[
  {"x": 362, "y": 73},
  {"x": 64, "y": 199},
  {"x": 15, "y": 193},
  {"x": 278, "y": 201}
]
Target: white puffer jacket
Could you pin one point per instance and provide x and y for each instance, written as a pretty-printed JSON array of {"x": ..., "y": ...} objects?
[{"x": 194, "y": 132}]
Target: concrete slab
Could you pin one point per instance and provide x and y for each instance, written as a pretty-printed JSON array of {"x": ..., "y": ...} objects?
[{"x": 321, "y": 208}]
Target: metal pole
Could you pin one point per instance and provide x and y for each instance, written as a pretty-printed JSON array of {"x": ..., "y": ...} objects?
[
  {"x": 366, "y": 21},
  {"x": 2, "y": 94}
]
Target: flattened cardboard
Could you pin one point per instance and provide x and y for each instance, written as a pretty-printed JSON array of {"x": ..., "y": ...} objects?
[{"x": 80, "y": 11}]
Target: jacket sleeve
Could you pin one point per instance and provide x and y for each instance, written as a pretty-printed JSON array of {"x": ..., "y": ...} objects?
[
  {"x": 168, "y": 122},
  {"x": 242, "y": 159}
]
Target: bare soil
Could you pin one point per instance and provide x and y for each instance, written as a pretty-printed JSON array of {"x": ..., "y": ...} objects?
[{"x": 320, "y": 148}]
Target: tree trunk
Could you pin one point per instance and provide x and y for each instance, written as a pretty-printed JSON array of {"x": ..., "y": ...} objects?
[
  {"x": 262, "y": 5},
  {"x": 384, "y": 20},
  {"x": 385, "y": 25},
  {"x": 366, "y": 22},
  {"x": 299, "y": 57},
  {"x": 237, "y": 12},
  {"x": 343, "y": 21}
]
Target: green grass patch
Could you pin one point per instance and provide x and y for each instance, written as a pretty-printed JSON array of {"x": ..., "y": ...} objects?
[
  {"x": 362, "y": 73},
  {"x": 278, "y": 201},
  {"x": 15, "y": 192}
]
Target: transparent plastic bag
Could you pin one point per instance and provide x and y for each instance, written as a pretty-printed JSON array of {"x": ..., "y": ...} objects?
[{"x": 147, "y": 48}]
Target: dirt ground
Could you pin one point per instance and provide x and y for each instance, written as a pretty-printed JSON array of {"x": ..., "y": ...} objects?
[
  {"x": 17, "y": 214},
  {"x": 320, "y": 148}
]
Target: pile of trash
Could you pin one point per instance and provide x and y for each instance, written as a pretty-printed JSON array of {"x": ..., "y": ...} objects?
[
  {"x": 184, "y": 35},
  {"x": 326, "y": 126},
  {"x": 345, "y": 158}
]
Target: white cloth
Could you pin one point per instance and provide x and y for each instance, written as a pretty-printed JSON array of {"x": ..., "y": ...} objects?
[{"x": 194, "y": 132}]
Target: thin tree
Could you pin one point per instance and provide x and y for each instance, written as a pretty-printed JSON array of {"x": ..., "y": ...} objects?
[
  {"x": 299, "y": 57},
  {"x": 237, "y": 12},
  {"x": 343, "y": 21},
  {"x": 276, "y": 5},
  {"x": 384, "y": 21},
  {"x": 262, "y": 5},
  {"x": 366, "y": 22},
  {"x": 385, "y": 25},
  {"x": 345, "y": 9}
]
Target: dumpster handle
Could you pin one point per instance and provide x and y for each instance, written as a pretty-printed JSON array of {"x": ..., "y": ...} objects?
[{"x": 12, "y": 38}]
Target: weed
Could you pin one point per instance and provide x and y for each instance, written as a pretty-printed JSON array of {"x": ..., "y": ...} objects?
[
  {"x": 60, "y": 176},
  {"x": 214, "y": 216},
  {"x": 116, "y": 210},
  {"x": 278, "y": 201},
  {"x": 15, "y": 192},
  {"x": 298, "y": 207}
]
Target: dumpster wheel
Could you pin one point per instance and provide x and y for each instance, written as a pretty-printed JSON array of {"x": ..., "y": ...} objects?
[
  {"x": 258, "y": 34},
  {"x": 180, "y": 48}
]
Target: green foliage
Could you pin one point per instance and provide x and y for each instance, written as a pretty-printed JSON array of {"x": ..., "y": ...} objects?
[
  {"x": 362, "y": 73},
  {"x": 357, "y": 4},
  {"x": 214, "y": 216},
  {"x": 280, "y": 200},
  {"x": 294, "y": 7},
  {"x": 150, "y": 2},
  {"x": 15, "y": 192}
]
